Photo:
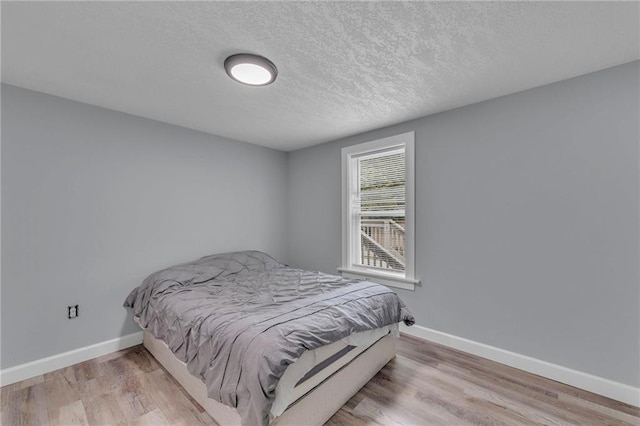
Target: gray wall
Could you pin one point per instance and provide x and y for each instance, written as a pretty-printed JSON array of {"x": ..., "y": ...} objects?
[
  {"x": 527, "y": 221},
  {"x": 94, "y": 200},
  {"x": 527, "y": 218}
]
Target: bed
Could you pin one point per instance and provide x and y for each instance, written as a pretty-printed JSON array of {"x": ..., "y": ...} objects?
[{"x": 256, "y": 342}]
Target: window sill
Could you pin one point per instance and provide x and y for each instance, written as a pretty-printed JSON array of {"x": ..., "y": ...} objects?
[{"x": 380, "y": 278}]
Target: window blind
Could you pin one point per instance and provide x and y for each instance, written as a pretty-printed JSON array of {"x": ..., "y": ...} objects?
[{"x": 382, "y": 184}]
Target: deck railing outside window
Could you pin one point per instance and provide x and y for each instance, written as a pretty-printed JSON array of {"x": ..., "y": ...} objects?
[{"x": 383, "y": 243}]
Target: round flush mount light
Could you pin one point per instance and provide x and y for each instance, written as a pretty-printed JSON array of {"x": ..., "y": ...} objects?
[{"x": 250, "y": 69}]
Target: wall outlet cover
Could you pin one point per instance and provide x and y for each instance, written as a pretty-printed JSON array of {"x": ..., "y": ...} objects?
[{"x": 72, "y": 311}]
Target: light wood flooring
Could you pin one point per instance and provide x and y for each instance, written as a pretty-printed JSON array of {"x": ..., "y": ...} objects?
[{"x": 426, "y": 384}]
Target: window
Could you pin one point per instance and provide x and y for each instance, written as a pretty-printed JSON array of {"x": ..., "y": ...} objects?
[{"x": 377, "y": 211}]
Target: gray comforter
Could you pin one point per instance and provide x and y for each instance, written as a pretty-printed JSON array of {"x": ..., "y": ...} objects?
[{"x": 238, "y": 320}]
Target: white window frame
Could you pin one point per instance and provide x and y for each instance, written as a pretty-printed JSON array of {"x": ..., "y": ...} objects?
[{"x": 349, "y": 268}]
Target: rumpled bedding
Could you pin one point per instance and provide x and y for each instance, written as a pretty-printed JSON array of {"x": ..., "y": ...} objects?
[{"x": 238, "y": 320}]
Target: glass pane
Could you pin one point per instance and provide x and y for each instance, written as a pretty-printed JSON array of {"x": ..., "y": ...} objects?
[
  {"x": 382, "y": 242},
  {"x": 382, "y": 183}
]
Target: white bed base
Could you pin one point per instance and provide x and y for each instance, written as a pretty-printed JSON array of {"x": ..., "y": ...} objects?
[{"x": 314, "y": 408}]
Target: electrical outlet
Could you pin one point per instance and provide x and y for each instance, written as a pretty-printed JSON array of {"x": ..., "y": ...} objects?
[{"x": 73, "y": 311}]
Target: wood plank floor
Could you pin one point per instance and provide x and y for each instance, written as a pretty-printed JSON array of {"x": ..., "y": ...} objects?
[{"x": 426, "y": 384}]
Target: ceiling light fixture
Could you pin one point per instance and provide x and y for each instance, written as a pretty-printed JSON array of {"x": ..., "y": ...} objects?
[{"x": 251, "y": 69}]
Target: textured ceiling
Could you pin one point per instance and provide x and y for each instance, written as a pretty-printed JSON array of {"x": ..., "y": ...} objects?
[{"x": 345, "y": 67}]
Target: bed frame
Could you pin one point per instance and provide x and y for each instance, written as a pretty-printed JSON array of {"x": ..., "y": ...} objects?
[{"x": 314, "y": 408}]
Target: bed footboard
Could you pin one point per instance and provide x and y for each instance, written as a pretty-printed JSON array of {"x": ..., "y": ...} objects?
[{"x": 314, "y": 408}]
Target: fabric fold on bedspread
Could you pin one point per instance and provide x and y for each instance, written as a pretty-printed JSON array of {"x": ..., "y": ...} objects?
[{"x": 238, "y": 320}]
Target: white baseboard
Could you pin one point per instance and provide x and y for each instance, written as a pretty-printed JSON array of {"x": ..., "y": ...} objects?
[
  {"x": 65, "y": 359},
  {"x": 598, "y": 385}
]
